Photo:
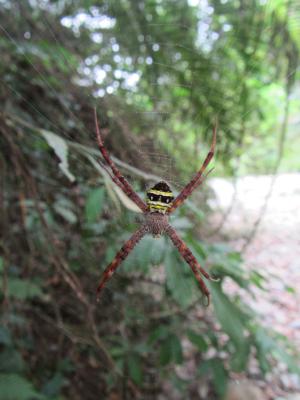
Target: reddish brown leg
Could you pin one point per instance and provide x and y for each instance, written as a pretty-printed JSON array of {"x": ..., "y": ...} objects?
[
  {"x": 120, "y": 256},
  {"x": 126, "y": 187},
  {"x": 112, "y": 177},
  {"x": 190, "y": 259},
  {"x": 198, "y": 178}
]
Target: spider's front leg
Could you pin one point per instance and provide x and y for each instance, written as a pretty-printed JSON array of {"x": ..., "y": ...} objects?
[
  {"x": 118, "y": 178},
  {"x": 191, "y": 260},
  {"x": 198, "y": 178},
  {"x": 120, "y": 256}
]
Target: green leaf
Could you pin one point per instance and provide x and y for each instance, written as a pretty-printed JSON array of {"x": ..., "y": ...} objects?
[
  {"x": 197, "y": 211},
  {"x": 149, "y": 251},
  {"x": 176, "y": 349},
  {"x": 290, "y": 289},
  {"x": 11, "y": 361},
  {"x": 171, "y": 350},
  {"x": 228, "y": 315},
  {"x": 180, "y": 384},
  {"x": 135, "y": 368},
  {"x": 215, "y": 367},
  {"x": 117, "y": 352},
  {"x": 161, "y": 332},
  {"x": 165, "y": 355},
  {"x": 198, "y": 340},
  {"x": 156, "y": 249},
  {"x": 240, "y": 358},
  {"x": 257, "y": 279},
  {"x": 198, "y": 248},
  {"x": 180, "y": 92},
  {"x": 264, "y": 345},
  {"x": 23, "y": 289},
  {"x": 292, "y": 362},
  {"x": 228, "y": 263},
  {"x": 15, "y": 387},
  {"x": 60, "y": 147},
  {"x": 5, "y": 337},
  {"x": 267, "y": 346},
  {"x": 54, "y": 385},
  {"x": 220, "y": 376},
  {"x": 179, "y": 280},
  {"x": 182, "y": 224},
  {"x": 94, "y": 204},
  {"x": 233, "y": 322},
  {"x": 204, "y": 368}
]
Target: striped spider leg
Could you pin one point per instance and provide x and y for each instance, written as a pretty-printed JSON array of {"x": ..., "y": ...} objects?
[
  {"x": 118, "y": 178},
  {"x": 198, "y": 178},
  {"x": 120, "y": 257},
  {"x": 191, "y": 261}
]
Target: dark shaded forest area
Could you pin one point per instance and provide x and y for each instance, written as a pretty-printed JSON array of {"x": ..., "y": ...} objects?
[{"x": 161, "y": 75}]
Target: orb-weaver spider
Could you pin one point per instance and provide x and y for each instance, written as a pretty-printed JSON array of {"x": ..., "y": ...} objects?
[{"x": 159, "y": 205}]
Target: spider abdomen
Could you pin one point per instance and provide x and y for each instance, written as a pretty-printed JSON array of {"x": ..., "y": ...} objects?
[{"x": 159, "y": 198}]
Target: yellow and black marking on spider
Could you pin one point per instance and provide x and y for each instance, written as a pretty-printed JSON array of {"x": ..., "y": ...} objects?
[
  {"x": 160, "y": 197},
  {"x": 160, "y": 203}
]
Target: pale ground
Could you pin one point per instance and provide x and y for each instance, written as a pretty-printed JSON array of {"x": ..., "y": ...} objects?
[{"x": 274, "y": 251}]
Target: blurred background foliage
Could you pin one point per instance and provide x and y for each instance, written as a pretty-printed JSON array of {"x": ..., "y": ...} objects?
[{"x": 160, "y": 73}]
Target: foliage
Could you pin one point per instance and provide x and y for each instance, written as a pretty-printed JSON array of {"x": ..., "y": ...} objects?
[{"x": 154, "y": 80}]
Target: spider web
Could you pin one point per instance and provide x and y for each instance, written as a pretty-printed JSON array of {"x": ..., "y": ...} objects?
[{"x": 146, "y": 154}]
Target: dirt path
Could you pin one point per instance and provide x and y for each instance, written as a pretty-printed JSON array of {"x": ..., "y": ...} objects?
[{"x": 275, "y": 249}]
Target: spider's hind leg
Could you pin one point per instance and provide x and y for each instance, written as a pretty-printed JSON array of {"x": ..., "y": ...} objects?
[
  {"x": 120, "y": 256},
  {"x": 191, "y": 260}
]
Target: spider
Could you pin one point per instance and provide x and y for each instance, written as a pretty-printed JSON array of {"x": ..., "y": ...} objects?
[{"x": 160, "y": 203}]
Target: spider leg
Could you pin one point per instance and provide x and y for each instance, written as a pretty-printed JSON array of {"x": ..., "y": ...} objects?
[
  {"x": 198, "y": 178},
  {"x": 191, "y": 260},
  {"x": 125, "y": 186},
  {"x": 112, "y": 177},
  {"x": 120, "y": 256}
]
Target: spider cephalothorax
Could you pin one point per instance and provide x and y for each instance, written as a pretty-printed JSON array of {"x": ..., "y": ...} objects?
[
  {"x": 159, "y": 204},
  {"x": 156, "y": 223}
]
